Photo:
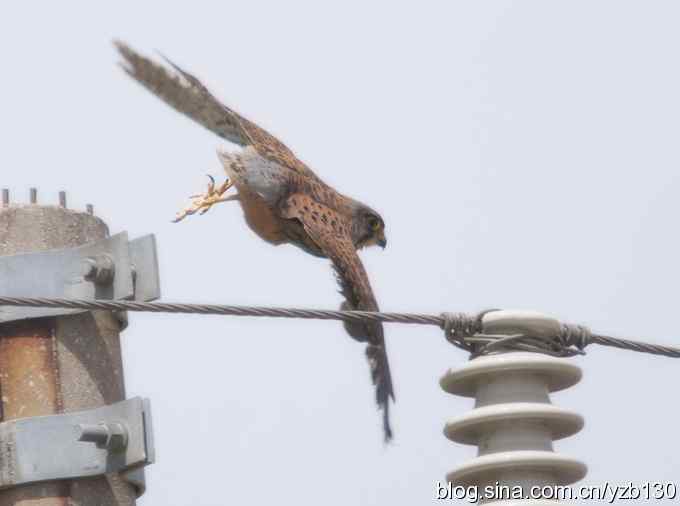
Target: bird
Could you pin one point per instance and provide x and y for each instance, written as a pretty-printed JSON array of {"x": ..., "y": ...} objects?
[{"x": 283, "y": 202}]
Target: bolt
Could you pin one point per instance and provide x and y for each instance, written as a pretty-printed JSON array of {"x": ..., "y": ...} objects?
[
  {"x": 122, "y": 319},
  {"x": 91, "y": 433},
  {"x": 90, "y": 209},
  {"x": 100, "y": 269},
  {"x": 5, "y": 197},
  {"x": 34, "y": 196},
  {"x": 62, "y": 199},
  {"x": 107, "y": 436}
]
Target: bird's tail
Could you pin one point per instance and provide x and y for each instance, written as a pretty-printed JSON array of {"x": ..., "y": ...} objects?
[{"x": 382, "y": 380}]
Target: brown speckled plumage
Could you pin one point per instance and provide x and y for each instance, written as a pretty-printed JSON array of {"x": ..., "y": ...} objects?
[{"x": 284, "y": 201}]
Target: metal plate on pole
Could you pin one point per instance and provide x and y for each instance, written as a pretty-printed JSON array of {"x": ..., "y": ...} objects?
[
  {"x": 113, "y": 268},
  {"x": 48, "y": 447}
]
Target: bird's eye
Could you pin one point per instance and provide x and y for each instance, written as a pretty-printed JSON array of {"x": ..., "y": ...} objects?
[{"x": 374, "y": 223}]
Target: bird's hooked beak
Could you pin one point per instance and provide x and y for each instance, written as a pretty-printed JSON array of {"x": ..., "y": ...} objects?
[{"x": 382, "y": 241}]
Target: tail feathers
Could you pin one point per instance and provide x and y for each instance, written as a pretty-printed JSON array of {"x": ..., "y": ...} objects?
[{"x": 382, "y": 380}]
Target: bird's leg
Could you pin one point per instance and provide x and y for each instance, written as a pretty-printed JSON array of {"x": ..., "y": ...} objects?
[{"x": 204, "y": 201}]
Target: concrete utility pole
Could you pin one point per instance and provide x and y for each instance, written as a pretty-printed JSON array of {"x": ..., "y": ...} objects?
[{"x": 59, "y": 364}]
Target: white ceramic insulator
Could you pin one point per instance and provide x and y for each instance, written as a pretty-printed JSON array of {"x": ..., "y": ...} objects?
[{"x": 514, "y": 423}]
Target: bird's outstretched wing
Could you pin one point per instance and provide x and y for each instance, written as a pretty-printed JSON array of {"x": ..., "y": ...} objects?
[
  {"x": 331, "y": 233},
  {"x": 186, "y": 94}
]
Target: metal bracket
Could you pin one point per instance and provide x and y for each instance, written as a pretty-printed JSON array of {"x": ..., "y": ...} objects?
[
  {"x": 110, "y": 269},
  {"x": 111, "y": 439}
]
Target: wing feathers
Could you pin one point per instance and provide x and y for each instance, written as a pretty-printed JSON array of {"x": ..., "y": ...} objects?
[
  {"x": 330, "y": 232},
  {"x": 184, "y": 93}
]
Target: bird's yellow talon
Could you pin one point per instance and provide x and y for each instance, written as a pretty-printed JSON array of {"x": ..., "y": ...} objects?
[{"x": 202, "y": 202}]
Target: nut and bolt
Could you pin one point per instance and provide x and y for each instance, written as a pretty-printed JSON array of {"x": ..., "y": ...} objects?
[
  {"x": 100, "y": 269},
  {"x": 107, "y": 436}
]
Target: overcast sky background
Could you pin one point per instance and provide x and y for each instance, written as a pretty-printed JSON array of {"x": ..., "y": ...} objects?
[{"x": 523, "y": 154}]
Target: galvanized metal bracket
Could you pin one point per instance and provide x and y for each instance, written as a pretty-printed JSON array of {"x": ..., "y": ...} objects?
[
  {"x": 113, "y": 268},
  {"x": 73, "y": 445}
]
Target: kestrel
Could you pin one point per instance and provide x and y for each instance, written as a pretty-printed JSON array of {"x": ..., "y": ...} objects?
[{"x": 283, "y": 201}]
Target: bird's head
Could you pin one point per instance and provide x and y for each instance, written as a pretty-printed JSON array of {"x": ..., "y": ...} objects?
[{"x": 368, "y": 227}]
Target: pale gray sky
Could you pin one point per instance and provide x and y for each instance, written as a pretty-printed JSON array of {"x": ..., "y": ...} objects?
[{"x": 524, "y": 155}]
